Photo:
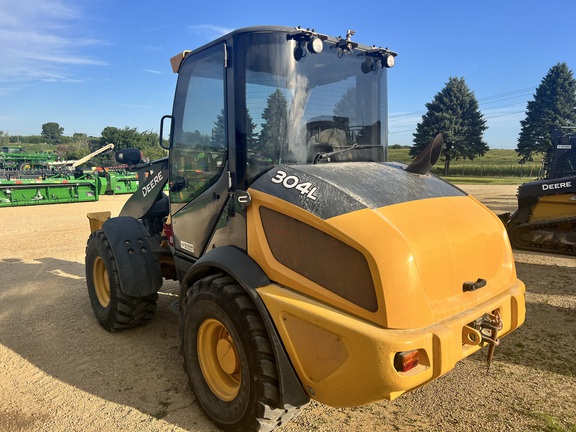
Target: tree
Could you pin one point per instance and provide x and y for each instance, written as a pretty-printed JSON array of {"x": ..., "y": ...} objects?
[
  {"x": 454, "y": 112},
  {"x": 274, "y": 133},
  {"x": 52, "y": 132},
  {"x": 251, "y": 135},
  {"x": 72, "y": 151},
  {"x": 74, "y": 148},
  {"x": 4, "y": 138},
  {"x": 147, "y": 141},
  {"x": 218, "y": 138},
  {"x": 346, "y": 106},
  {"x": 554, "y": 105},
  {"x": 219, "y": 131}
]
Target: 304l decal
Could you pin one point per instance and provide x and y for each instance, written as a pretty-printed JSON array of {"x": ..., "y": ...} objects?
[{"x": 293, "y": 182}]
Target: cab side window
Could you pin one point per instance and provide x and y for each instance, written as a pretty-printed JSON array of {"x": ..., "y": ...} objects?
[{"x": 199, "y": 150}]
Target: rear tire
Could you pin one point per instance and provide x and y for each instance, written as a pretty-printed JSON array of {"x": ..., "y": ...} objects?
[
  {"x": 113, "y": 309},
  {"x": 229, "y": 358}
]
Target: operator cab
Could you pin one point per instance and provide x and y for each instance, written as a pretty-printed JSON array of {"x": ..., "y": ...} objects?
[
  {"x": 265, "y": 96},
  {"x": 563, "y": 162}
]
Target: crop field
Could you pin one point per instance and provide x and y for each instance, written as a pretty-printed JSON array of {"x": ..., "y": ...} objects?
[{"x": 496, "y": 163}]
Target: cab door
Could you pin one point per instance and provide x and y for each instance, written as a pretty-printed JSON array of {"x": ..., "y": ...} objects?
[{"x": 199, "y": 150}]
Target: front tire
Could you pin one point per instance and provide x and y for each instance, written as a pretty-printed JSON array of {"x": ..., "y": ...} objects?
[
  {"x": 229, "y": 358},
  {"x": 113, "y": 309}
]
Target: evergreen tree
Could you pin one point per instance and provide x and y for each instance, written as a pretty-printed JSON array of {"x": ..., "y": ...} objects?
[
  {"x": 218, "y": 138},
  {"x": 195, "y": 139},
  {"x": 274, "y": 131},
  {"x": 219, "y": 131},
  {"x": 554, "y": 105},
  {"x": 346, "y": 106},
  {"x": 251, "y": 135},
  {"x": 454, "y": 112}
]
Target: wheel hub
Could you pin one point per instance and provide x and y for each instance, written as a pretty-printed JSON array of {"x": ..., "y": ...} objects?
[
  {"x": 227, "y": 357},
  {"x": 101, "y": 282},
  {"x": 219, "y": 359}
]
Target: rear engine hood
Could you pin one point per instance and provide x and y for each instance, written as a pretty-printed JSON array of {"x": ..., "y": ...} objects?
[
  {"x": 329, "y": 190},
  {"x": 428, "y": 253},
  {"x": 424, "y": 240}
]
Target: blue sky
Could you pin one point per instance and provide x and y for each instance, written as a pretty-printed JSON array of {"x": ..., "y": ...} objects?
[{"x": 91, "y": 64}]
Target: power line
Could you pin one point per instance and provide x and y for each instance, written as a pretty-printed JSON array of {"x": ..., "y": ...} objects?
[
  {"x": 505, "y": 114},
  {"x": 514, "y": 93},
  {"x": 413, "y": 116}
]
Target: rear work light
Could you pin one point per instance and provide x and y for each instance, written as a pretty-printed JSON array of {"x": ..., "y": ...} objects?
[{"x": 406, "y": 360}]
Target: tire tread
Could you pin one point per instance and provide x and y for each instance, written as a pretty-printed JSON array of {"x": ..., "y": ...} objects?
[
  {"x": 270, "y": 414},
  {"x": 125, "y": 311}
]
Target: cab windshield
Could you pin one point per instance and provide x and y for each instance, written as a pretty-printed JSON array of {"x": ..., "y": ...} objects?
[{"x": 298, "y": 104}]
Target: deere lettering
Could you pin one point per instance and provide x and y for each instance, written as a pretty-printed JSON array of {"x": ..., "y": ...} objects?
[
  {"x": 155, "y": 180},
  {"x": 556, "y": 185}
]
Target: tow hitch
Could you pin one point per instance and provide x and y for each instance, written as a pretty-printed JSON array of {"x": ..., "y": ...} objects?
[
  {"x": 484, "y": 330},
  {"x": 490, "y": 325}
]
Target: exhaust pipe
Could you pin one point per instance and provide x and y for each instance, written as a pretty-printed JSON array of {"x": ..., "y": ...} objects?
[{"x": 427, "y": 158}]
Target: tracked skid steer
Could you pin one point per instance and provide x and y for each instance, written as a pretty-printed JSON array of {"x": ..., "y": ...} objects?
[
  {"x": 309, "y": 266},
  {"x": 545, "y": 220}
]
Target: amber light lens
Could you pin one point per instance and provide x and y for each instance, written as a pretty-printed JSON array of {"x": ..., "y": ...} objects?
[{"x": 406, "y": 360}]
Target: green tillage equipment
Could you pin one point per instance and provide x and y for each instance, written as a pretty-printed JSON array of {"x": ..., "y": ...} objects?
[
  {"x": 23, "y": 160},
  {"x": 121, "y": 183},
  {"x": 54, "y": 190}
]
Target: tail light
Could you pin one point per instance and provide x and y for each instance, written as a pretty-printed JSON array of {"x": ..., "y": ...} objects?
[{"x": 406, "y": 360}]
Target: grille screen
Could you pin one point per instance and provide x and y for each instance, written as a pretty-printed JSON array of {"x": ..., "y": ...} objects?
[{"x": 320, "y": 257}]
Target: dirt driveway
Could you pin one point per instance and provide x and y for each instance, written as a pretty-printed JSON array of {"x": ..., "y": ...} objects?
[{"x": 59, "y": 371}]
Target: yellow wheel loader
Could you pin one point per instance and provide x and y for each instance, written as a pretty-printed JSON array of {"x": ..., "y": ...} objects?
[
  {"x": 309, "y": 267},
  {"x": 545, "y": 220}
]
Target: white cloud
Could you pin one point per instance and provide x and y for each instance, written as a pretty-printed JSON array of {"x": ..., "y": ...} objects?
[
  {"x": 41, "y": 40},
  {"x": 6, "y": 91},
  {"x": 154, "y": 48},
  {"x": 208, "y": 31}
]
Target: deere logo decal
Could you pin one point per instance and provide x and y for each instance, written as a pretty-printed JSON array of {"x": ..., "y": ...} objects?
[
  {"x": 152, "y": 184},
  {"x": 556, "y": 185}
]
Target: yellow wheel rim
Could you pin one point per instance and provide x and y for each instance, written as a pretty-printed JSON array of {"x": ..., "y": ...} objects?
[
  {"x": 219, "y": 360},
  {"x": 101, "y": 282}
]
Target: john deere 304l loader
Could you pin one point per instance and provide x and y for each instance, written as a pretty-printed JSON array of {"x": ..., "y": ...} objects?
[{"x": 309, "y": 267}]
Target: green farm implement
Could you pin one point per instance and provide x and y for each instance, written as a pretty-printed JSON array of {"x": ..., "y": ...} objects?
[
  {"x": 15, "y": 158},
  {"x": 54, "y": 182},
  {"x": 51, "y": 190}
]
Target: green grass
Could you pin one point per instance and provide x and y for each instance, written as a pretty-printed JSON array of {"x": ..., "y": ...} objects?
[
  {"x": 163, "y": 411},
  {"x": 488, "y": 180},
  {"x": 496, "y": 163},
  {"x": 552, "y": 424}
]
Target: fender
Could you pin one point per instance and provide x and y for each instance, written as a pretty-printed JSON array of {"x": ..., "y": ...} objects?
[
  {"x": 250, "y": 276},
  {"x": 129, "y": 242}
]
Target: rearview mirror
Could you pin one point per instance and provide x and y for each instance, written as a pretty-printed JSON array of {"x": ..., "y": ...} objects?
[{"x": 130, "y": 156}]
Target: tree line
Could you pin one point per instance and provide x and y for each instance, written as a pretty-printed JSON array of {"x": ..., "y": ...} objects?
[{"x": 79, "y": 144}]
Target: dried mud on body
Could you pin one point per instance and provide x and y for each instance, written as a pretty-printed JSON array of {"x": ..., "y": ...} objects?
[{"x": 59, "y": 371}]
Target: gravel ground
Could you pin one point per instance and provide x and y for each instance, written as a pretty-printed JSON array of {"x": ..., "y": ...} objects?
[{"x": 59, "y": 371}]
